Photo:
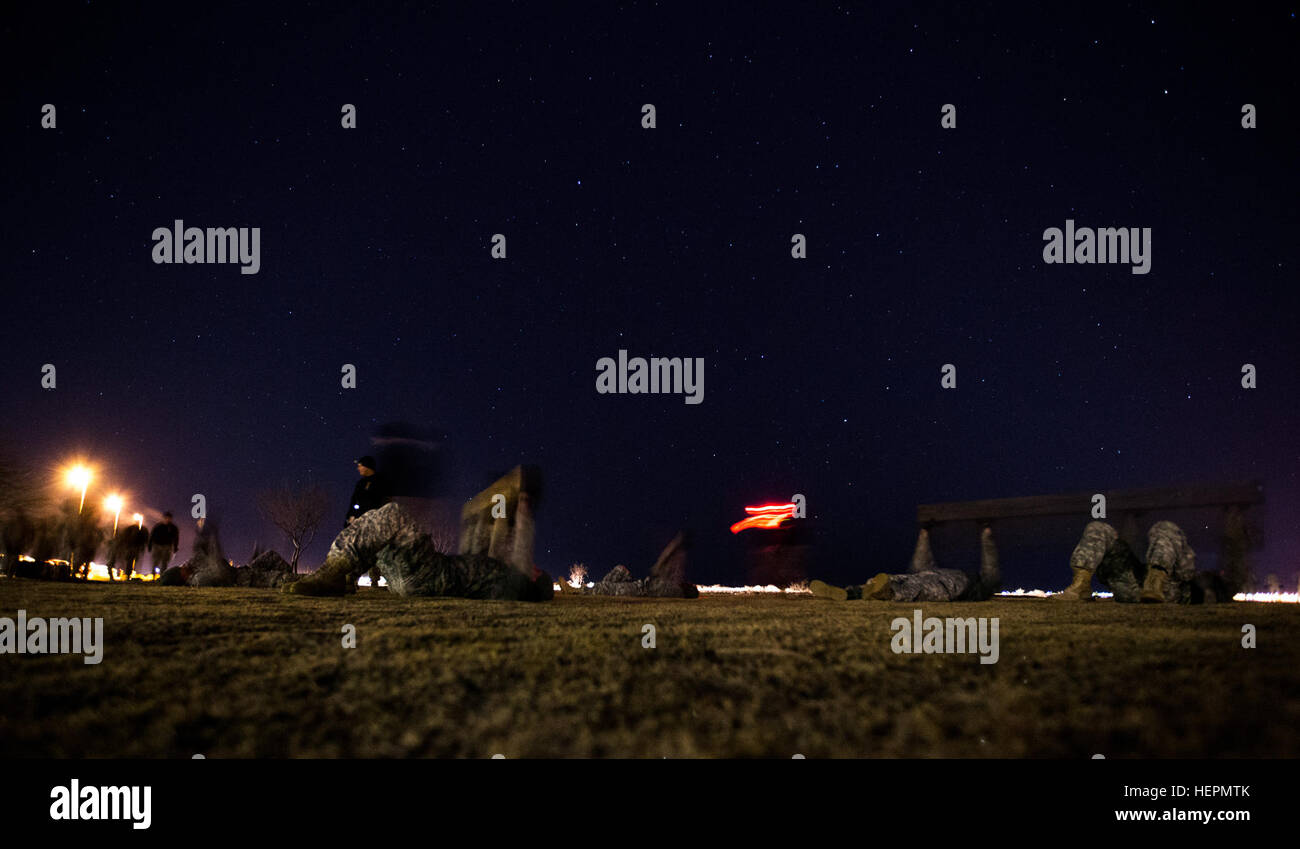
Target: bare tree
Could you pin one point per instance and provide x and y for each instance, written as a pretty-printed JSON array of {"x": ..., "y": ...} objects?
[
  {"x": 20, "y": 490},
  {"x": 444, "y": 534},
  {"x": 22, "y": 499},
  {"x": 296, "y": 512}
]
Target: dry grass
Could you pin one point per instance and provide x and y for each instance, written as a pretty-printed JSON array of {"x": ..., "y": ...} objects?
[{"x": 251, "y": 673}]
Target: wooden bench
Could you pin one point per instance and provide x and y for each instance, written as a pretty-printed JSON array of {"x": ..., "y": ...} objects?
[{"x": 1123, "y": 508}]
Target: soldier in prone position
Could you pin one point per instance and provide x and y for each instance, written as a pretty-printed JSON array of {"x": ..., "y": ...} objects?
[
  {"x": 389, "y": 540},
  {"x": 925, "y": 581},
  {"x": 1168, "y": 576}
]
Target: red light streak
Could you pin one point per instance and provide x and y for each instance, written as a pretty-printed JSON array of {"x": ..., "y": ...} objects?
[{"x": 765, "y": 516}]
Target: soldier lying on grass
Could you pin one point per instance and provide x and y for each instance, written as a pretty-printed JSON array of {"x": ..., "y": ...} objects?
[
  {"x": 924, "y": 581},
  {"x": 667, "y": 577},
  {"x": 387, "y": 538}
]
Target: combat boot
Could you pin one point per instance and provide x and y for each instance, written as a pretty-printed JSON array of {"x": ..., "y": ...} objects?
[
  {"x": 335, "y": 578},
  {"x": 821, "y": 589},
  {"x": 1153, "y": 588},
  {"x": 1080, "y": 588},
  {"x": 878, "y": 588}
]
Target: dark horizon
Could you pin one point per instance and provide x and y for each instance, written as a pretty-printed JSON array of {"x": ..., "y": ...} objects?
[{"x": 822, "y": 375}]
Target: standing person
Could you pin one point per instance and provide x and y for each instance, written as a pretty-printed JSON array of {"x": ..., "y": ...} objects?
[
  {"x": 126, "y": 547},
  {"x": 116, "y": 551},
  {"x": 371, "y": 492},
  {"x": 164, "y": 539},
  {"x": 137, "y": 541}
]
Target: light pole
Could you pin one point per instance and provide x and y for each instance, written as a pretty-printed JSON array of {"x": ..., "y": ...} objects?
[
  {"x": 139, "y": 523},
  {"x": 80, "y": 476},
  {"x": 114, "y": 503}
]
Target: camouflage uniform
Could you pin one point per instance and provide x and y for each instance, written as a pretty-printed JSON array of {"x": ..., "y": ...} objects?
[
  {"x": 619, "y": 582},
  {"x": 387, "y": 538},
  {"x": 933, "y": 585},
  {"x": 926, "y": 582},
  {"x": 667, "y": 577},
  {"x": 1168, "y": 549},
  {"x": 1113, "y": 563}
]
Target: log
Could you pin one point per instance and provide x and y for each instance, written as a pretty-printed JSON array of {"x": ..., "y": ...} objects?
[{"x": 1080, "y": 504}]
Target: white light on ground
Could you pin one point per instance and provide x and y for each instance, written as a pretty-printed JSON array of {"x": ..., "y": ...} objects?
[
  {"x": 719, "y": 589},
  {"x": 1022, "y": 593},
  {"x": 1284, "y": 598},
  {"x": 1272, "y": 598}
]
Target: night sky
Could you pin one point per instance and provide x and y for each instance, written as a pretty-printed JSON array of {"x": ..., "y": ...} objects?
[{"x": 821, "y": 375}]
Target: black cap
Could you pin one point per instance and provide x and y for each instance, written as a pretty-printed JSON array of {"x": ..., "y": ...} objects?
[{"x": 367, "y": 461}]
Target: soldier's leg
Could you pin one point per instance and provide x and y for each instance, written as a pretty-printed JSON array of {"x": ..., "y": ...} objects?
[
  {"x": 355, "y": 551},
  {"x": 922, "y": 556},
  {"x": 481, "y": 576},
  {"x": 419, "y": 570},
  {"x": 1097, "y": 538},
  {"x": 821, "y": 589},
  {"x": 351, "y": 555},
  {"x": 1171, "y": 565},
  {"x": 990, "y": 577},
  {"x": 1121, "y": 572},
  {"x": 879, "y": 588}
]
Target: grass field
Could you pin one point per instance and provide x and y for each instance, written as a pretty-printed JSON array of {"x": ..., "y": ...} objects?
[{"x": 252, "y": 673}]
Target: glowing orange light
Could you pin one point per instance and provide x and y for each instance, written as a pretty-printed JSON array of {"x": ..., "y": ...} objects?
[
  {"x": 80, "y": 476},
  {"x": 765, "y": 516}
]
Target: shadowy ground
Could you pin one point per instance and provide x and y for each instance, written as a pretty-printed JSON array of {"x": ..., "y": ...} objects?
[{"x": 252, "y": 673}]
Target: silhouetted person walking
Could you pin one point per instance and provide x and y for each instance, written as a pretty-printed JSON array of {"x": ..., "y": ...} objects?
[{"x": 164, "y": 539}]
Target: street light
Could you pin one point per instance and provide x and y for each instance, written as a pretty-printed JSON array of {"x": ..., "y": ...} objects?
[
  {"x": 79, "y": 476},
  {"x": 114, "y": 503}
]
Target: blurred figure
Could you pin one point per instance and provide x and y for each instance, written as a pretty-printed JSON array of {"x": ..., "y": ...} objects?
[
  {"x": 136, "y": 545},
  {"x": 207, "y": 542},
  {"x": 925, "y": 581},
  {"x": 164, "y": 539},
  {"x": 208, "y": 564},
  {"x": 116, "y": 551},
  {"x": 49, "y": 544},
  {"x": 18, "y": 536},
  {"x": 126, "y": 547},
  {"x": 81, "y": 537}
]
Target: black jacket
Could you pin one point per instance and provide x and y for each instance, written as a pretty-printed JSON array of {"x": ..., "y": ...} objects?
[
  {"x": 369, "y": 493},
  {"x": 165, "y": 535}
]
